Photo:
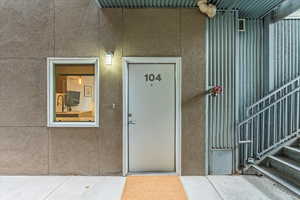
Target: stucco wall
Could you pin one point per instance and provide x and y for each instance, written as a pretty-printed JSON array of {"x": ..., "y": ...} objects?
[{"x": 33, "y": 30}]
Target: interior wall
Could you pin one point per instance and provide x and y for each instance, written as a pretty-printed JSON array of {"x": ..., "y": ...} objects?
[{"x": 32, "y": 31}]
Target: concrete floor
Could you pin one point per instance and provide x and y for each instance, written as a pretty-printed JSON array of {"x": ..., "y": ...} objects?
[{"x": 110, "y": 188}]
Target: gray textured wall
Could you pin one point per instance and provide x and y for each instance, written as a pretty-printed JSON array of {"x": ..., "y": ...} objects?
[{"x": 32, "y": 30}]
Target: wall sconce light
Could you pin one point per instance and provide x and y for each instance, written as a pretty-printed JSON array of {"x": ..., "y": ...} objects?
[{"x": 108, "y": 58}]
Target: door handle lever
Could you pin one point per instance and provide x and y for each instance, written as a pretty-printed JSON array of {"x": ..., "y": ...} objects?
[{"x": 131, "y": 122}]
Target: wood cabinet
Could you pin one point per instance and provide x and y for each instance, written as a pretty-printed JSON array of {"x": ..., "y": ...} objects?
[{"x": 61, "y": 84}]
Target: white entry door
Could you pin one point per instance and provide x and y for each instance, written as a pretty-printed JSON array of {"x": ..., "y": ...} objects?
[{"x": 151, "y": 117}]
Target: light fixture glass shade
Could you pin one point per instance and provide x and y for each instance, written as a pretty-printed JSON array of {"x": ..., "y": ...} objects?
[{"x": 108, "y": 58}]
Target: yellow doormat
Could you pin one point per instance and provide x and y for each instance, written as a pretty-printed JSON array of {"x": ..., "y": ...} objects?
[{"x": 153, "y": 188}]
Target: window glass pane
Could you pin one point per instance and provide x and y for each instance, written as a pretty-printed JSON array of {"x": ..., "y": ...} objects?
[{"x": 74, "y": 93}]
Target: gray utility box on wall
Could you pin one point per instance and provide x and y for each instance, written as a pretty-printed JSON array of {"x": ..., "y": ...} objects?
[{"x": 220, "y": 162}]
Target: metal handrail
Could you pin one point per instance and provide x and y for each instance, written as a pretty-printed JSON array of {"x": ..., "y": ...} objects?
[
  {"x": 270, "y": 105},
  {"x": 273, "y": 120},
  {"x": 270, "y": 148},
  {"x": 273, "y": 93}
]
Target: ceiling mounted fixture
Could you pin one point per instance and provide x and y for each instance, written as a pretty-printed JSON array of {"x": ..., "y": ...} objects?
[{"x": 209, "y": 9}]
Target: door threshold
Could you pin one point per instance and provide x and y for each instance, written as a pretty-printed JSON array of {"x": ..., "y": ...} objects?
[{"x": 152, "y": 174}]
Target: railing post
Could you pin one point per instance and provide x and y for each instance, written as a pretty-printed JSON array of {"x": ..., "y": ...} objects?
[
  {"x": 297, "y": 106},
  {"x": 237, "y": 148}
]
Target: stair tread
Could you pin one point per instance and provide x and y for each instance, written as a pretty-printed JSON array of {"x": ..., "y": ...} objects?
[
  {"x": 291, "y": 148},
  {"x": 275, "y": 175},
  {"x": 296, "y": 146},
  {"x": 291, "y": 152},
  {"x": 289, "y": 162}
]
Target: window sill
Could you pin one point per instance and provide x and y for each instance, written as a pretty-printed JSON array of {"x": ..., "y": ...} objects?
[{"x": 74, "y": 124}]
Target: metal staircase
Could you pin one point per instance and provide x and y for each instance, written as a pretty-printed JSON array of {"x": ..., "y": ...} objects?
[
  {"x": 283, "y": 167},
  {"x": 268, "y": 140}
]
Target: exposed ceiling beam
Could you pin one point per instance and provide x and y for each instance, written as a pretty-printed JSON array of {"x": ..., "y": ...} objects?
[{"x": 285, "y": 9}]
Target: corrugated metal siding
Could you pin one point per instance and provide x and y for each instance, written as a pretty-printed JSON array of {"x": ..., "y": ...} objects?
[
  {"x": 286, "y": 51},
  {"x": 251, "y": 65},
  {"x": 231, "y": 52},
  {"x": 222, "y": 61},
  {"x": 148, "y": 3},
  {"x": 247, "y": 8}
]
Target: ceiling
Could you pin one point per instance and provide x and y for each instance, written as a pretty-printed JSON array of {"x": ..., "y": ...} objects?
[
  {"x": 247, "y": 8},
  {"x": 295, "y": 15}
]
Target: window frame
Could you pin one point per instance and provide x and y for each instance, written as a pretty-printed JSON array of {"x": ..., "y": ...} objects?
[{"x": 51, "y": 62}]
